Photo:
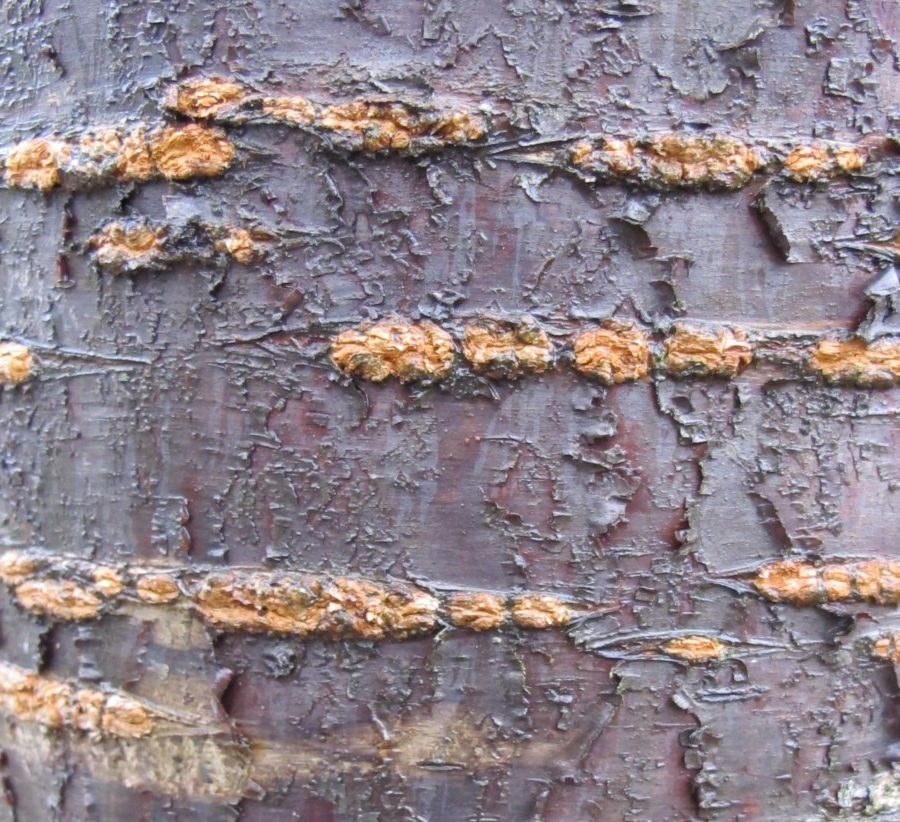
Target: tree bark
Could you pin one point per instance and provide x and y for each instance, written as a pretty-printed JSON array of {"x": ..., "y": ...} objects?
[{"x": 449, "y": 410}]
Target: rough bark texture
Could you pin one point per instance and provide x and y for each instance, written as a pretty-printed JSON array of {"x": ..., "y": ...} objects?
[{"x": 449, "y": 410}]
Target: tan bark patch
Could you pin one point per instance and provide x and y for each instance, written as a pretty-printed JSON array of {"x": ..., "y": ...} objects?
[
  {"x": 243, "y": 246},
  {"x": 507, "y": 349},
  {"x": 887, "y": 648},
  {"x": 17, "y": 566},
  {"x": 115, "y": 154},
  {"x": 100, "y": 144},
  {"x": 857, "y": 362},
  {"x": 369, "y": 125},
  {"x": 261, "y": 601},
  {"x": 378, "y": 126},
  {"x": 60, "y": 704},
  {"x": 700, "y": 351},
  {"x": 615, "y": 353},
  {"x": 694, "y": 649},
  {"x": 539, "y": 611},
  {"x": 476, "y": 611},
  {"x": 802, "y": 583},
  {"x": 671, "y": 160},
  {"x": 394, "y": 348},
  {"x": 292, "y": 111},
  {"x": 204, "y": 97},
  {"x": 126, "y": 717},
  {"x": 134, "y": 162},
  {"x": 822, "y": 162},
  {"x": 36, "y": 164},
  {"x": 59, "y": 598},
  {"x": 182, "y": 153},
  {"x": 156, "y": 589},
  {"x": 16, "y": 363},
  {"x": 125, "y": 246},
  {"x": 107, "y": 581},
  {"x": 303, "y": 606}
]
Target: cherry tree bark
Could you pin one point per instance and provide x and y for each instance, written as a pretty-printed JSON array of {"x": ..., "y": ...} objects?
[{"x": 449, "y": 410}]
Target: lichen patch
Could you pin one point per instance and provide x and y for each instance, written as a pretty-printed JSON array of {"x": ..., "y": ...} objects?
[
  {"x": 614, "y": 353},
  {"x": 394, "y": 348}
]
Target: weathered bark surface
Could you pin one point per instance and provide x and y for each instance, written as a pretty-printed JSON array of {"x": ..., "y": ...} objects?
[{"x": 183, "y": 415}]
